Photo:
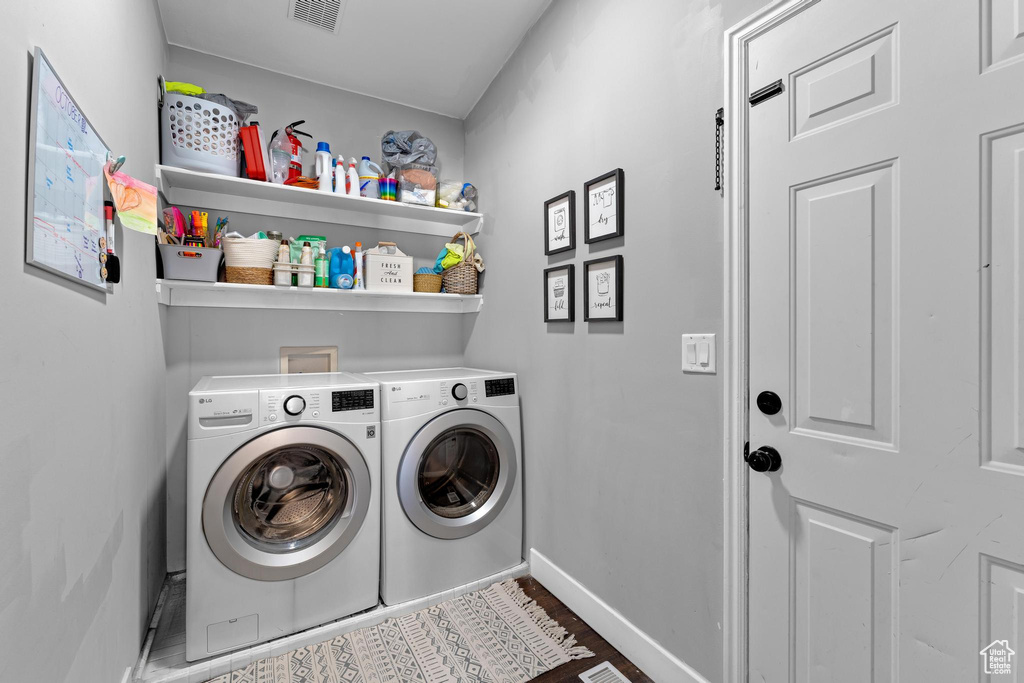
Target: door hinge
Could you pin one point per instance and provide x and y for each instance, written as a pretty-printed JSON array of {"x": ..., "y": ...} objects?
[
  {"x": 719, "y": 125},
  {"x": 766, "y": 93}
]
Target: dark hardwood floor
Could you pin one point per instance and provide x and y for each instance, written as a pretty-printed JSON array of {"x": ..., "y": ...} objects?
[{"x": 584, "y": 636}]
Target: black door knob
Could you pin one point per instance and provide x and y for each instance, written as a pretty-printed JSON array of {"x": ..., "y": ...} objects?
[
  {"x": 765, "y": 459},
  {"x": 769, "y": 403}
]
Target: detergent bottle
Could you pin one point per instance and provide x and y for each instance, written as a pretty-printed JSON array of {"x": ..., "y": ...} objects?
[
  {"x": 369, "y": 178},
  {"x": 322, "y": 168},
  {"x": 352, "y": 177},
  {"x": 342, "y": 268}
]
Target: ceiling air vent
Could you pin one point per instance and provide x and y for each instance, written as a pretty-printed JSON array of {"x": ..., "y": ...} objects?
[
  {"x": 603, "y": 673},
  {"x": 320, "y": 13}
]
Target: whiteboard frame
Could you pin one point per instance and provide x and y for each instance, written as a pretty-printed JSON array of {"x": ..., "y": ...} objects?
[{"x": 30, "y": 178}]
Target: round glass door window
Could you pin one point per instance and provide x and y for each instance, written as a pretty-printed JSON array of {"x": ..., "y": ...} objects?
[
  {"x": 458, "y": 472},
  {"x": 289, "y": 498}
]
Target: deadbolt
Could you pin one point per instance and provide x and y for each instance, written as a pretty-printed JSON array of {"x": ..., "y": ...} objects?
[{"x": 769, "y": 403}]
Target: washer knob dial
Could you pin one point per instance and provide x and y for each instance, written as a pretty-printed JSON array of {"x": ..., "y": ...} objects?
[
  {"x": 460, "y": 392},
  {"x": 294, "y": 405}
]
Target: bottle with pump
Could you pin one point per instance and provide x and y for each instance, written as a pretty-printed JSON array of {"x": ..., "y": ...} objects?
[
  {"x": 321, "y": 267},
  {"x": 358, "y": 258},
  {"x": 306, "y": 259},
  {"x": 352, "y": 176}
]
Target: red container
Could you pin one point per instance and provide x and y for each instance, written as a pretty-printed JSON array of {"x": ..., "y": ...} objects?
[{"x": 255, "y": 149}]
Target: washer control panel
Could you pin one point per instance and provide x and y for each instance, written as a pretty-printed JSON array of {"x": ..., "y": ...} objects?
[
  {"x": 325, "y": 405},
  {"x": 360, "y": 399}
]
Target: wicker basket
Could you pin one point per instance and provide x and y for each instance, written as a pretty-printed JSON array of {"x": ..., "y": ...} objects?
[
  {"x": 426, "y": 282},
  {"x": 462, "y": 279},
  {"x": 250, "y": 253},
  {"x": 250, "y": 276}
]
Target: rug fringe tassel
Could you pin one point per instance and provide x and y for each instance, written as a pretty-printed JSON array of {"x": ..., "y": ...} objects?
[{"x": 549, "y": 626}]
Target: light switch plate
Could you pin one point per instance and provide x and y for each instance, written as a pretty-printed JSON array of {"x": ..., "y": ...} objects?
[{"x": 699, "y": 353}]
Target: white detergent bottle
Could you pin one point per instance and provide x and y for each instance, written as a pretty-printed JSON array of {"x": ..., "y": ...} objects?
[
  {"x": 340, "y": 175},
  {"x": 353, "y": 178},
  {"x": 359, "y": 266},
  {"x": 369, "y": 178},
  {"x": 323, "y": 167}
]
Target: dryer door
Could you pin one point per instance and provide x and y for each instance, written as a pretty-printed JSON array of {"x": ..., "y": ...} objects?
[
  {"x": 286, "y": 503},
  {"x": 457, "y": 473}
]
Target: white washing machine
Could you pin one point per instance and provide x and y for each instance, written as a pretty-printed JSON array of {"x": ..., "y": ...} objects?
[
  {"x": 452, "y": 479},
  {"x": 283, "y": 506}
]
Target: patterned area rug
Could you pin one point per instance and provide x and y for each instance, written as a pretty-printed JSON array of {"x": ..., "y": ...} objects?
[{"x": 495, "y": 635}]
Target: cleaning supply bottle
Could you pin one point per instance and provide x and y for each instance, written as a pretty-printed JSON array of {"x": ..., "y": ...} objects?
[
  {"x": 369, "y": 178},
  {"x": 359, "y": 266},
  {"x": 323, "y": 167},
  {"x": 283, "y": 272},
  {"x": 344, "y": 277},
  {"x": 352, "y": 176},
  {"x": 321, "y": 267},
  {"x": 339, "y": 175},
  {"x": 306, "y": 259}
]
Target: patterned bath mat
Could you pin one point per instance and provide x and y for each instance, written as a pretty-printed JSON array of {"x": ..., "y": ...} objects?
[{"x": 495, "y": 635}]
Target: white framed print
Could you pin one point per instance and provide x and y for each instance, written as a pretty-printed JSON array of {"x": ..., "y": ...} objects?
[
  {"x": 605, "y": 208},
  {"x": 560, "y": 223},
  {"x": 559, "y": 294},
  {"x": 602, "y": 292}
]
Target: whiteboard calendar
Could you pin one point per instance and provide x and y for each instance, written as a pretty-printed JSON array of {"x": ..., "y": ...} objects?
[{"x": 65, "y": 202}]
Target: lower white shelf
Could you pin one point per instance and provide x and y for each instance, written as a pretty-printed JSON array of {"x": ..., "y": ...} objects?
[{"x": 230, "y": 295}]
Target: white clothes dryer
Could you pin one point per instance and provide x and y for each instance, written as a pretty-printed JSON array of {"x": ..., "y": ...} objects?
[
  {"x": 452, "y": 479},
  {"x": 283, "y": 505}
]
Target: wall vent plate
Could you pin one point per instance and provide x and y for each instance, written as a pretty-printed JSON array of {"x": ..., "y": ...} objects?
[
  {"x": 323, "y": 14},
  {"x": 603, "y": 673}
]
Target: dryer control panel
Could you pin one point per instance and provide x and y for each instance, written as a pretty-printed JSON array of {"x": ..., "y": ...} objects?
[{"x": 404, "y": 399}]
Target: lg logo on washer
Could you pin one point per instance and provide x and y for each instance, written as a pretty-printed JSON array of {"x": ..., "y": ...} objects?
[{"x": 396, "y": 398}]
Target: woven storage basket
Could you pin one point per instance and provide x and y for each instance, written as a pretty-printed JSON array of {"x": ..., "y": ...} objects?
[
  {"x": 250, "y": 262},
  {"x": 250, "y": 276},
  {"x": 426, "y": 282},
  {"x": 248, "y": 253},
  {"x": 462, "y": 279}
]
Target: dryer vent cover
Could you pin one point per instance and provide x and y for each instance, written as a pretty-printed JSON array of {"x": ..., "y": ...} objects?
[
  {"x": 320, "y": 13},
  {"x": 603, "y": 673}
]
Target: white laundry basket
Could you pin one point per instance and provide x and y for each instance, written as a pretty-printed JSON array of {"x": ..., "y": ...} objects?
[{"x": 198, "y": 134}]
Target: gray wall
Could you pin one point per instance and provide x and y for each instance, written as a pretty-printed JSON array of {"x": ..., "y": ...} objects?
[
  {"x": 81, "y": 428},
  {"x": 622, "y": 450},
  {"x": 228, "y": 341}
]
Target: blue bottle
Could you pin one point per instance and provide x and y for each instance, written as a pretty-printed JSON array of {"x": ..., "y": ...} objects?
[{"x": 342, "y": 269}]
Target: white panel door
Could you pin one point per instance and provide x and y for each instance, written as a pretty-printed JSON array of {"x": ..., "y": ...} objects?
[{"x": 886, "y": 208}]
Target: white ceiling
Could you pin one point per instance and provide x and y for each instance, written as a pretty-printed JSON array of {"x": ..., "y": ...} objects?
[{"x": 439, "y": 56}]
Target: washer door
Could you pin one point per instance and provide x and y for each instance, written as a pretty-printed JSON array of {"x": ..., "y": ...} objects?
[
  {"x": 457, "y": 473},
  {"x": 286, "y": 503}
]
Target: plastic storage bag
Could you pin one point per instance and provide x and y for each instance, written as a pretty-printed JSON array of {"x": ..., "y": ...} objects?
[{"x": 398, "y": 148}]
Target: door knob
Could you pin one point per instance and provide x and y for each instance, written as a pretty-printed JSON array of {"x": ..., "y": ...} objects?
[
  {"x": 769, "y": 403},
  {"x": 765, "y": 459}
]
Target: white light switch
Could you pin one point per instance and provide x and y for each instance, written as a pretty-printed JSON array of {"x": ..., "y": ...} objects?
[{"x": 699, "y": 353}]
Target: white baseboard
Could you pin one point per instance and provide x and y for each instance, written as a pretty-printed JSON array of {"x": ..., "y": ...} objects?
[{"x": 653, "y": 659}]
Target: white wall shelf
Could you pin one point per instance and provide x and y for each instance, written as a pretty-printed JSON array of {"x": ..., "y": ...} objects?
[
  {"x": 213, "y": 191},
  {"x": 230, "y": 295}
]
